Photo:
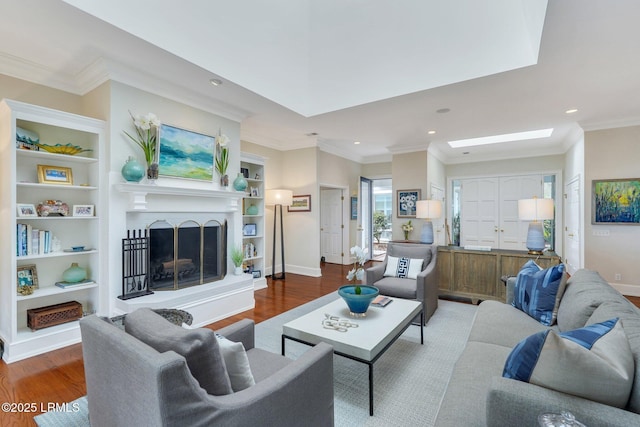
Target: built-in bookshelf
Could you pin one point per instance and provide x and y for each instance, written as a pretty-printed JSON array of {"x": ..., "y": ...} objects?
[
  {"x": 36, "y": 248},
  {"x": 253, "y": 242}
]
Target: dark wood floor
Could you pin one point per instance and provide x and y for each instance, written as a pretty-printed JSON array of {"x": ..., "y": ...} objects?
[{"x": 58, "y": 376}]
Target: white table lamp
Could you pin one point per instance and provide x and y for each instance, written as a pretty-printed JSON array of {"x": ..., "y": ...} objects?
[
  {"x": 428, "y": 209},
  {"x": 535, "y": 210}
]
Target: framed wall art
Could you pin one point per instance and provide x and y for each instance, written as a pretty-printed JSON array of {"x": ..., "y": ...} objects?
[
  {"x": 616, "y": 201},
  {"x": 406, "y": 203},
  {"x": 249, "y": 229},
  {"x": 83, "y": 210},
  {"x": 300, "y": 204},
  {"x": 185, "y": 154},
  {"x": 354, "y": 207},
  {"x": 54, "y": 175}
]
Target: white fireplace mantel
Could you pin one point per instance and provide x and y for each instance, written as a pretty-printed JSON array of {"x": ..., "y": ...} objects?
[{"x": 138, "y": 194}]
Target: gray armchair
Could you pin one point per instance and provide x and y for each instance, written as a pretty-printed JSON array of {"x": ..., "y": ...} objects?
[
  {"x": 130, "y": 383},
  {"x": 424, "y": 288}
]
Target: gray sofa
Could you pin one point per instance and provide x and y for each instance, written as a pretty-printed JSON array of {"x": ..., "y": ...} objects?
[
  {"x": 478, "y": 395},
  {"x": 131, "y": 384}
]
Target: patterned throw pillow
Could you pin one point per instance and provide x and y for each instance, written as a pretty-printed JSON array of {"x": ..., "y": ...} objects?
[
  {"x": 594, "y": 362},
  {"x": 538, "y": 292},
  {"x": 404, "y": 268}
]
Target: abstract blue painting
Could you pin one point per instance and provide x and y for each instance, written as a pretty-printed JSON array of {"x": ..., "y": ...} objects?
[{"x": 185, "y": 154}]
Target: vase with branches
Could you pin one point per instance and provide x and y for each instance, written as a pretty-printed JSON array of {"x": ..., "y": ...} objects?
[
  {"x": 222, "y": 158},
  {"x": 146, "y": 138}
]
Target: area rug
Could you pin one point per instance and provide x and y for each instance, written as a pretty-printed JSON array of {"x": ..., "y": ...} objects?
[{"x": 409, "y": 379}]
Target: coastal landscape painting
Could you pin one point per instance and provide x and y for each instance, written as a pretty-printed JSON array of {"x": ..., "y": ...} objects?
[{"x": 185, "y": 154}]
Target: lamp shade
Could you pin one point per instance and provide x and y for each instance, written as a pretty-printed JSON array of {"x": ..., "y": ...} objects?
[
  {"x": 535, "y": 209},
  {"x": 430, "y": 209},
  {"x": 278, "y": 197}
]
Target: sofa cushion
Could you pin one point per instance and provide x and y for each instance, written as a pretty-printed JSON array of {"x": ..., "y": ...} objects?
[
  {"x": 630, "y": 317},
  {"x": 396, "y": 287},
  {"x": 236, "y": 362},
  {"x": 198, "y": 346},
  {"x": 593, "y": 362},
  {"x": 410, "y": 250},
  {"x": 585, "y": 291},
  {"x": 536, "y": 291},
  {"x": 403, "y": 267}
]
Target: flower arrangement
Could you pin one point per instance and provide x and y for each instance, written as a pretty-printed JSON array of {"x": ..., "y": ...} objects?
[
  {"x": 407, "y": 228},
  {"x": 222, "y": 154},
  {"x": 357, "y": 272},
  {"x": 147, "y": 133}
]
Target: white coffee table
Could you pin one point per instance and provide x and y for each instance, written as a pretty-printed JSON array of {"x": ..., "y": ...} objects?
[{"x": 374, "y": 335}]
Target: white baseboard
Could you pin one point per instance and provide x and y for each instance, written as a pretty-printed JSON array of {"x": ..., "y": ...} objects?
[
  {"x": 626, "y": 289},
  {"x": 296, "y": 269}
]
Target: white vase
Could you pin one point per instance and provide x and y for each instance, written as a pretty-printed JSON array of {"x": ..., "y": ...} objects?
[{"x": 238, "y": 271}]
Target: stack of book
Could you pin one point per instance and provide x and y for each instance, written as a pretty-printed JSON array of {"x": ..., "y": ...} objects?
[{"x": 32, "y": 241}]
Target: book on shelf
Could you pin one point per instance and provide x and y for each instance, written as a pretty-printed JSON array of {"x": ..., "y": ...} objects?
[
  {"x": 381, "y": 301},
  {"x": 32, "y": 241},
  {"x": 65, "y": 285}
]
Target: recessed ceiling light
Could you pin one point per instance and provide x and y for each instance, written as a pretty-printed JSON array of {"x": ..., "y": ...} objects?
[
  {"x": 431, "y": 132},
  {"x": 215, "y": 82},
  {"x": 443, "y": 110},
  {"x": 571, "y": 111},
  {"x": 356, "y": 142},
  {"x": 494, "y": 139}
]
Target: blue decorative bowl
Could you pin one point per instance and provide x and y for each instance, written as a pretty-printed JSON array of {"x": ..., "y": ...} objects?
[{"x": 358, "y": 303}]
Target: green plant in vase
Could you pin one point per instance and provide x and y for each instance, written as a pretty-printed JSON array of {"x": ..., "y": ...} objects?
[
  {"x": 237, "y": 257},
  {"x": 146, "y": 138},
  {"x": 222, "y": 158}
]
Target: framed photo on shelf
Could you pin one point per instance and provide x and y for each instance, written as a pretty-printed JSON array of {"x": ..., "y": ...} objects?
[
  {"x": 249, "y": 229},
  {"x": 256, "y": 274},
  {"x": 245, "y": 172},
  {"x": 185, "y": 154},
  {"x": 26, "y": 210},
  {"x": 27, "y": 279},
  {"x": 83, "y": 210},
  {"x": 54, "y": 175},
  {"x": 255, "y": 192},
  {"x": 406, "y": 203},
  {"x": 615, "y": 201},
  {"x": 300, "y": 204}
]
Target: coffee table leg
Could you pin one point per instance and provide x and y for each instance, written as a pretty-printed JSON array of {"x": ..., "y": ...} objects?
[
  {"x": 422, "y": 327},
  {"x": 282, "y": 345},
  {"x": 370, "y": 389}
]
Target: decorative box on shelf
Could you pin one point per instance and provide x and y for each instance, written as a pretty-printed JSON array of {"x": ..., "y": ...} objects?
[{"x": 51, "y": 315}]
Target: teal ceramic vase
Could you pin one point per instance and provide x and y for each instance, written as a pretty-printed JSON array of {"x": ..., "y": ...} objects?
[
  {"x": 358, "y": 303},
  {"x": 252, "y": 210},
  {"x": 240, "y": 183},
  {"x": 132, "y": 171},
  {"x": 74, "y": 274}
]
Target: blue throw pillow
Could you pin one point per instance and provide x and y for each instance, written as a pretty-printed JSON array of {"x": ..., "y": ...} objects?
[
  {"x": 537, "y": 291},
  {"x": 594, "y": 362}
]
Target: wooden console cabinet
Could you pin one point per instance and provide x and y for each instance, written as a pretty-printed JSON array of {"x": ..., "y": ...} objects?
[{"x": 476, "y": 274}]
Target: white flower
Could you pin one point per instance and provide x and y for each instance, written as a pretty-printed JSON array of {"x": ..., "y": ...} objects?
[
  {"x": 357, "y": 273},
  {"x": 222, "y": 140}
]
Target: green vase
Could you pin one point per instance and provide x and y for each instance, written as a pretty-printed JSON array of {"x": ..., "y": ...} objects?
[
  {"x": 240, "y": 184},
  {"x": 252, "y": 210},
  {"x": 132, "y": 171},
  {"x": 74, "y": 274}
]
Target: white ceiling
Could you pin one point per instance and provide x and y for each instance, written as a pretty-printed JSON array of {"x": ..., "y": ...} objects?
[{"x": 351, "y": 69}]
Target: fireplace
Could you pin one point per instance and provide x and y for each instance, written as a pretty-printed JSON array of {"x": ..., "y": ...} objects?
[{"x": 187, "y": 254}]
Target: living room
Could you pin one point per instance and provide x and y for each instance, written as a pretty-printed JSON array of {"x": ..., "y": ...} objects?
[{"x": 600, "y": 147}]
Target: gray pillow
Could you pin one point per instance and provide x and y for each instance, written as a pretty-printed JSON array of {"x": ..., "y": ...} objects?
[{"x": 198, "y": 346}]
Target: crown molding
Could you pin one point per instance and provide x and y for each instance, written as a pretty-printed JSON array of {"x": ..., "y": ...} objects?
[
  {"x": 402, "y": 149},
  {"x": 275, "y": 142},
  {"x": 34, "y": 72},
  {"x": 610, "y": 124}
]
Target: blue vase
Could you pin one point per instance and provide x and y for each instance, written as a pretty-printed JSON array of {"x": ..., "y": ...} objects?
[
  {"x": 358, "y": 303},
  {"x": 240, "y": 184},
  {"x": 132, "y": 171},
  {"x": 74, "y": 274},
  {"x": 252, "y": 210}
]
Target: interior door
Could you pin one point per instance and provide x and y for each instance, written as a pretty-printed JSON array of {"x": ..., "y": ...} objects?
[
  {"x": 513, "y": 232},
  {"x": 331, "y": 227},
  {"x": 479, "y": 212},
  {"x": 572, "y": 227},
  {"x": 365, "y": 215}
]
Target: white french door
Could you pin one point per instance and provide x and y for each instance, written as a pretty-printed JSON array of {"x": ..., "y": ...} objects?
[{"x": 331, "y": 228}]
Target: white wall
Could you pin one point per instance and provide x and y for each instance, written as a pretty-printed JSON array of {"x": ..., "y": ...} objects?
[
  {"x": 611, "y": 154},
  {"x": 409, "y": 172}
]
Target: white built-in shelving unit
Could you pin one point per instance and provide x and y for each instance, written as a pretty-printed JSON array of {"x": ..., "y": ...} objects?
[
  {"x": 19, "y": 185},
  {"x": 253, "y": 213}
]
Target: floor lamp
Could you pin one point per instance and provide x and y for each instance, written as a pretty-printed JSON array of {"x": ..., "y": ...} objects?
[
  {"x": 428, "y": 210},
  {"x": 278, "y": 198},
  {"x": 535, "y": 210}
]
